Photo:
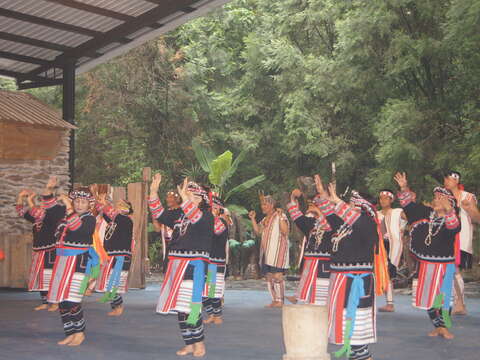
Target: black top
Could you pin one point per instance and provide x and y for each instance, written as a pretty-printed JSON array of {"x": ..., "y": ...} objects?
[
  {"x": 319, "y": 243},
  {"x": 442, "y": 246},
  {"x": 219, "y": 243},
  {"x": 44, "y": 231},
  {"x": 171, "y": 217},
  {"x": 118, "y": 235},
  {"x": 356, "y": 250},
  {"x": 78, "y": 233}
]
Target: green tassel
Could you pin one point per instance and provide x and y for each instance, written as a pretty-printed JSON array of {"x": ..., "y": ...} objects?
[
  {"x": 84, "y": 284},
  {"x": 95, "y": 271},
  {"x": 195, "y": 309},
  {"x": 446, "y": 318},
  {"x": 346, "y": 348},
  {"x": 438, "y": 303},
  {"x": 105, "y": 298},
  {"x": 211, "y": 290}
]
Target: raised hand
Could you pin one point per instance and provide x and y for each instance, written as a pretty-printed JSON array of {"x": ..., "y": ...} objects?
[
  {"x": 332, "y": 189},
  {"x": 23, "y": 193},
  {"x": 319, "y": 186},
  {"x": 52, "y": 183},
  {"x": 182, "y": 190},
  {"x": 401, "y": 179},
  {"x": 252, "y": 215},
  {"x": 296, "y": 193},
  {"x": 156, "y": 181}
]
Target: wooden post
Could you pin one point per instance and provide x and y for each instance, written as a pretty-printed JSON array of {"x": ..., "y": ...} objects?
[
  {"x": 137, "y": 195},
  {"x": 14, "y": 268},
  {"x": 118, "y": 192}
]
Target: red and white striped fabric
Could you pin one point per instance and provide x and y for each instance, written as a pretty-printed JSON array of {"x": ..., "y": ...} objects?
[
  {"x": 172, "y": 282},
  {"x": 365, "y": 331},
  {"x": 427, "y": 286},
  {"x": 36, "y": 279},
  {"x": 312, "y": 289},
  {"x": 106, "y": 268},
  {"x": 65, "y": 283}
]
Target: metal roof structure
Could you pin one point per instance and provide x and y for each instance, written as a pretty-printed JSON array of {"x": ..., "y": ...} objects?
[
  {"x": 16, "y": 106},
  {"x": 39, "y": 38}
]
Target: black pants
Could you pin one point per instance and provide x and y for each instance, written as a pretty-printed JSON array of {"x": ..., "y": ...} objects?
[
  {"x": 72, "y": 317},
  {"x": 360, "y": 352},
  {"x": 116, "y": 302},
  {"x": 436, "y": 317},
  {"x": 191, "y": 334},
  {"x": 43, "y": 296}
]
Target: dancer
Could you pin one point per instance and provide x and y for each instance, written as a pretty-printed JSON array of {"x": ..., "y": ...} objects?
[
  {"x": 188, "y": 258},
  {"x": 316, "y": 249},
  {"x": 75, "y": 264},
  {"x": 452, "y": 182},
  {"x": 433, "y": 231},
  {"x": 118, "y": 244},
  {"x": 215, "y": 284},
  {"x": 274, "y": 247},
  {"x": 45, "y": 219},
  {"x": 351, "y": 302},
  {"x": 393, "y": 223}
]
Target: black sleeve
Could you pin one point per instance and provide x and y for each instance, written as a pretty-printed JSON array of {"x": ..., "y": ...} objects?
[
  {"x": 415, "y": 212},
  {"x": 29, "y": 217},
  {"x": 305, "y": 224},
  {"x": 169, "y": 217}
]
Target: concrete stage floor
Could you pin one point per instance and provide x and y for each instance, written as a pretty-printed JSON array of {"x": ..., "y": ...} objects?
[{"x": 249, "y": 331}]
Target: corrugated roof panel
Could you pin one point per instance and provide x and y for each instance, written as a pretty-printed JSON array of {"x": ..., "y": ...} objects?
[
  {"x": 41, "y": 32},
  {"x": 62, "y": 13},
  {"x": 22, "y": 67},
  {"x": 28, "y": 50},
  {"x": 129, "y": 7},
  {"x": 25, "y": 108}
]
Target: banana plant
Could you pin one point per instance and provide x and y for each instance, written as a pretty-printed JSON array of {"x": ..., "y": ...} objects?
[{"x": 221, "y": 170}]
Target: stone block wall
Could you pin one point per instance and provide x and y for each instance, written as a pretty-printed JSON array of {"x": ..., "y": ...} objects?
[{"x": 16, "y": 175}]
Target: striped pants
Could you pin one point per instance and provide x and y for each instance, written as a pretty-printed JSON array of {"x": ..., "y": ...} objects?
[
  {"x": 72, "y": 317},
  {"x": 191, "y": 334},
  {"x": 212, "y": 306}
]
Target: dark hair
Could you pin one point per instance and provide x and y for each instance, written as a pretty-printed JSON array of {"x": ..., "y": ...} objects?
[
  {"x": 372, "y": 200},
  {"x": 130, "y": 207}
]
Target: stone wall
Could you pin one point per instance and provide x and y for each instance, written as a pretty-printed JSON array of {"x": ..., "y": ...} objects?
[{"x": 16, "y": 175}]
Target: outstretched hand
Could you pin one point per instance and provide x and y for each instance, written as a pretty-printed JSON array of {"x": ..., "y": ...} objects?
[
  {"x": 295, "y": 194},
  {"x": 155, "y": 185},
  {"x": 252, "y": 215},
  {"x": 182, "y": 190},
  {"x": 401, "y": 179},
  {"x": 332, "y": 189},
  {"x": 319, "y": 186}
]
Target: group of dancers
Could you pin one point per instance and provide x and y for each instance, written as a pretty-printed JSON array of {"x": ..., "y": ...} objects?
[{"x": 350, "y": 253}]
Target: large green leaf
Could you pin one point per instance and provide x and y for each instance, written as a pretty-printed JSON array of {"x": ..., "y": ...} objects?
[
  {"x": 204, "y": 155},
  {"x": 219, "y": 166},
  {"x": 228, "y": 174},
  {"x": 237, "y": 209},
  {"x": 245, "y": 186}
]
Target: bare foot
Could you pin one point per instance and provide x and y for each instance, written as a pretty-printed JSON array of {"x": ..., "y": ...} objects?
[
  {"x": 434, "y": 332},
  {"x": 459, "y": 310},
  {"x": 41, "y": 307},
  {"x": 77, "y": 339},
  {"x": 116, "y": 312},
  {"x": 53, "y": 307},
  {"x": 88, "y": 292},
  {"x": 387, "y": 308},
  {"x": 185, "y": 351},
  {"x": 199, "y": 349},
  {"x": 217, "y": 320},
  {"x": 292, "y": 299},
  {"x": 277, "y": 304},
  {"x": 209, "y": 320},
  {"x": 66, "y": 340},
  {"x": 446, "y": 334}
]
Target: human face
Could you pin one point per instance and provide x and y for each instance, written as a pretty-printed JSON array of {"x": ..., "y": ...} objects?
[
  {"x": 450, "y": 183},
  {"x": 385, "y": 201},
  {"x": 122, "y": 207},
  {"x": 81, "y": 205},
  {"x": 267, "y": 208},
  {"x": 171, "y": 201}
]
